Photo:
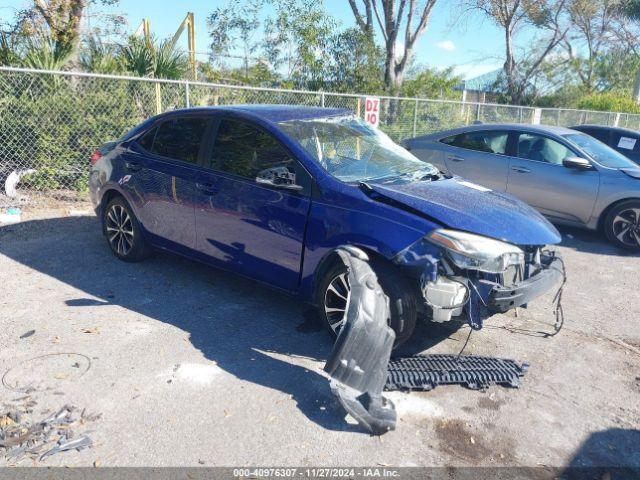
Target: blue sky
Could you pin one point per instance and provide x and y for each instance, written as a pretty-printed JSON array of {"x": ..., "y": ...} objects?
[{"x": 468, "y": 42}]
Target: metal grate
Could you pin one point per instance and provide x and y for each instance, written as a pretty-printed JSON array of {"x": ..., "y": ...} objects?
[{"x": 428, "y": 371}]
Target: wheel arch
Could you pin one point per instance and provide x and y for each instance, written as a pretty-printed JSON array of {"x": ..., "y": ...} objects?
[
  {"x": 611, "y": 206},
  {"x": 331, "y": 257}
]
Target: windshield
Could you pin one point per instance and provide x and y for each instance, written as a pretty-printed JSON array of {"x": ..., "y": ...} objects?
[
  {"x": 353, "y": 151},
  {"x": 601, "y": 153}
]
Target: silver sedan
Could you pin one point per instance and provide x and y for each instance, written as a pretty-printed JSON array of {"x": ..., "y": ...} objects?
[{"x": 571, "y": 178}]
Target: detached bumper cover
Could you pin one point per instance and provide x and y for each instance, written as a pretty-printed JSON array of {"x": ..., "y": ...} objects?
[
  {"x": 503, "y": 298},
  {"x": 358, "y": 362}
]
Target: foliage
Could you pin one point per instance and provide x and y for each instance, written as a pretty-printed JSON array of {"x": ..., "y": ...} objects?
[
  {"x": 98, "y": 57},
  {"x": 153, "y": 59},
  {"x": 610, "y": 101},
  {"x": 430, "y": 83},
  {"x": 45, "y": 53},
  {"x": 298, "y": 40}
]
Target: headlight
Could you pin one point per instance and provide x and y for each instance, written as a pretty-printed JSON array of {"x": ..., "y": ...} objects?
[{"x": 475, "y": 252}]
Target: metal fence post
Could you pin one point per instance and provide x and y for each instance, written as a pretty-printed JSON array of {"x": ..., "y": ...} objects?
[
  {"x": 186, "y": 94},
  {"x": 415, "y": 119},
  {"x": 322, "y": 99},
  {"x": 158, "y": 99}
]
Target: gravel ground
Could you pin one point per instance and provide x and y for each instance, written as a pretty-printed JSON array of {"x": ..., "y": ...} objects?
[{"x": 190, "y": 366}]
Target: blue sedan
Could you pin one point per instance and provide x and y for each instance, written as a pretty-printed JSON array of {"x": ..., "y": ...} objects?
[{"x": 272, "y": 192}]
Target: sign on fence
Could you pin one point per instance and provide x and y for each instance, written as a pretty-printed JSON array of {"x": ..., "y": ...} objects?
[{"x": 372, "y": 110}]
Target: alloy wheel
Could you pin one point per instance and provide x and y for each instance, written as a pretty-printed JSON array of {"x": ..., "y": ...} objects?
[
  {"x": 119, "y": 229},
  {"x": 336, "y": 299},
  {"x": 626, "y": 227}
]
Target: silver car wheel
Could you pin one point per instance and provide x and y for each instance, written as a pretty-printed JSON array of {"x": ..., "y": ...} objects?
[
  {"x": 119, "y": 229},
  {"x": 626, "y": 227},
  {"x": 336, "y": 299}
]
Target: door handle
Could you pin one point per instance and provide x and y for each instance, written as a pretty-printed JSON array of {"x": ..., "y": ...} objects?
[
  {"x": 455, "y": 158},
  {"x": 132, "y": 166},
  {"x": 207, "y": 188},
  {"x": 521, "y": 169}
]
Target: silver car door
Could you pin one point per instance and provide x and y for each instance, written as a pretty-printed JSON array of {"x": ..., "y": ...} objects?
[
  {"x": 537, "y": 176},
  {"x": 479, "y": 156}
]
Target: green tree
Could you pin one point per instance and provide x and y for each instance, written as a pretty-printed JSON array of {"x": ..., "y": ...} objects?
[
  {"x": 157, "y": 59},
  {"x": 298, "y": 40}
]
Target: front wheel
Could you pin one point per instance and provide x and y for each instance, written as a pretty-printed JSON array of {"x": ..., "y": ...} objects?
[
  {"x": 622, "y": 225},
  {"x": 334, "y": 293}
]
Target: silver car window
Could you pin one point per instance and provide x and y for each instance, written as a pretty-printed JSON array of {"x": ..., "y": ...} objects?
[
  {"x": 489, "y": 141},
  {"x": 542, "y": 149}
]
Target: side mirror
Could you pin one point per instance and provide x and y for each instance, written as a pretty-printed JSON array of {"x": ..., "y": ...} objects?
[
  {"x": 279, "y": 177},
  {"x": 577, "y": 163}
]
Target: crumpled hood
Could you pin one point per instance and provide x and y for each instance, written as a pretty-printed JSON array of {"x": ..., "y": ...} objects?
[
  {"x": 632, "y": 172},
  {"x": 462, "y": 205}
]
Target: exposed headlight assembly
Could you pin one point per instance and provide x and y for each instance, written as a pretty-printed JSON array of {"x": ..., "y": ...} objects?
[{"x": 475, "y": 252}]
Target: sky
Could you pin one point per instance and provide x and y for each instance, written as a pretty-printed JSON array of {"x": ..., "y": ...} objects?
[{"x": 469, "y": 43}]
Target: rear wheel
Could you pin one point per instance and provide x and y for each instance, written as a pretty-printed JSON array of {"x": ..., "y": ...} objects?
[
  {"x": 334, "y": 293},
  {"x": 123, "y": 233},
  {"x": 622, "y": 225}
]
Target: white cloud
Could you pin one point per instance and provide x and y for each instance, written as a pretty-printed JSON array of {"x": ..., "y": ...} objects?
[
  {"x": 447, "y": 45},
  {"x": 474, "y": 70}
]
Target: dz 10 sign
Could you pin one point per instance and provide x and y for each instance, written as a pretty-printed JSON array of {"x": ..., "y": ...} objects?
[{"x": 372, "y": 110}]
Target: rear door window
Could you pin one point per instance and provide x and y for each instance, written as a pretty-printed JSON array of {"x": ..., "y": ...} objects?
[
  {"x": 488, "y": 141},
  {"x": 244, "y": 150},
  {"x": 180, "y": 138},
  {"x": 541, "y": 149}
]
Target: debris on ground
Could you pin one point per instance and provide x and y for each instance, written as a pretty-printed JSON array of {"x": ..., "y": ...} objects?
[
  {"x": 27, "y": 334},
  {"x": 11, "y": 215},
  {"x": 22, "y": 439},
  {"x": 425, "y": 372}
]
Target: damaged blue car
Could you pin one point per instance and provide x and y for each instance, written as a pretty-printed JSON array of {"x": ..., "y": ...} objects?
[{"x": 275, "y": 193}]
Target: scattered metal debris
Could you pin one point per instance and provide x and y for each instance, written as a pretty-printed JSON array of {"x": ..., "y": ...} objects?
[
  {"x": 21, "y": 439},
  {"x": 358, "y": 362},
  {"x": 27, "y": 334},
  {"x": 428, "y": 371}
]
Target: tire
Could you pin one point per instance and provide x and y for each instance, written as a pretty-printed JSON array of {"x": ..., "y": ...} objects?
[
  {"x": 123, "y": 233},
  {"x": 622, "y": 225},
  {"x": 333, "y": 293}
]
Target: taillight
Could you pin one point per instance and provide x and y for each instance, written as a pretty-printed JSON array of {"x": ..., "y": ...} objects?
[{"x": 95, "y": 156}]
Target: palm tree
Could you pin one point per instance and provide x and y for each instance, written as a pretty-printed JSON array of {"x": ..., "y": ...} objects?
[{"x": 154, "y": 59}]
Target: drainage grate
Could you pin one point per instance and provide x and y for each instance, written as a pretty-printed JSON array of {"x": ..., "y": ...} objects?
[{"x": 428, "y": 371}]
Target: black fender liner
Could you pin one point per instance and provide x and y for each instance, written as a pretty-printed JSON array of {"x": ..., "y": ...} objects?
[{"x": 358, "y": 363}]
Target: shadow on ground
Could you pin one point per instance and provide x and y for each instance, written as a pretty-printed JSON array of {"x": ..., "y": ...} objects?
[
  {"x": 589, "y": 241},
  {"x": 238, "y": 323},
  {"x": 612, "y": 453}
]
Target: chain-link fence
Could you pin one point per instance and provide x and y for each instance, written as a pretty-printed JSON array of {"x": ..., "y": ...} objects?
[{"x": 51, "y": 122}]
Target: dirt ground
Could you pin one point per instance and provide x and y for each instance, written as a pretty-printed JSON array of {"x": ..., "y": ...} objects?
[{"x": 190, "y": 366}]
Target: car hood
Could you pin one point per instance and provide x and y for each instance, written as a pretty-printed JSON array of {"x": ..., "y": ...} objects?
[
  {"x": 466, "y": 206},
  {"x": 632, "y": 172}
]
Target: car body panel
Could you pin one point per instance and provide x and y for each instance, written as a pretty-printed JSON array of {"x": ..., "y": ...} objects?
[{"x": 465, "y": 206}]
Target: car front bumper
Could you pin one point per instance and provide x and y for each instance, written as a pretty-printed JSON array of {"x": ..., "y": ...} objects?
[{"x": 504, "y": 298}]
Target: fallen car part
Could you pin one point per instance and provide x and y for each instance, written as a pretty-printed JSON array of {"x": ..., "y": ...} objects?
[
  {"x": 65, "y": 445},
  {"x": 358, "y": 363},
  {"x": 21, "y": 439},
  {"x": 427, "y": 372}
]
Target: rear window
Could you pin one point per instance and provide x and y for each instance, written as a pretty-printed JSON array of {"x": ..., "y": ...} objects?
[
  {"x": 180, "y": 138},
  {"x": 489, "y": 141}
]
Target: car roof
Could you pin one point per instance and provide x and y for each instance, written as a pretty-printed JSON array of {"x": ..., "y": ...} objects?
[
  {"x": 607, "y": 127},
  {"x": 270, "y": 113},
  {"x": 524, "y": 127}
]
